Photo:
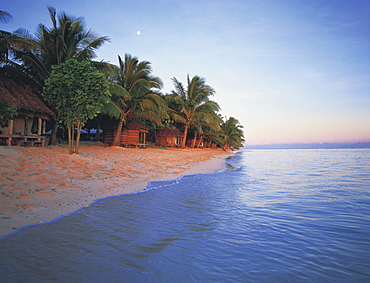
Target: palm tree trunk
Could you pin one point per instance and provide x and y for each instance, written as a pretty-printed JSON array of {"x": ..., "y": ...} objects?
[
  {"x": 117, "y": 137},
  {"x": 194, "y": 140},
  {"x": 206, "y": 143},
  {"x": 183, "y": 143},
  {"x": 199, "y": 141}
]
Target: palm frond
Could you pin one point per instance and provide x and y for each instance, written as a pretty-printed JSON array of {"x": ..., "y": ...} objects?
[
  {"x": 113, "y": 110},
  {"x": 119, "y": 92},
  {"x": 5, "y": 17}
]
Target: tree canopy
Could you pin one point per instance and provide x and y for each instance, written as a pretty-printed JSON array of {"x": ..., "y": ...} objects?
[{"x": 78, "y": 91}]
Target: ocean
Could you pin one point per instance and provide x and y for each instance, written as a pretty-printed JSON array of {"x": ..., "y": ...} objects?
[{"x": 290, "y": 215}]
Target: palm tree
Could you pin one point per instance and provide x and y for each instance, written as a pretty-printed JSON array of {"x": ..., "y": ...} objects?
[
  {"x": 191, "y": 106},
  {"x": 135, "y": 92},
  {"x": 231, "y": 134},
  {"x": 11, "y": 41},
  {"x": 208, "y": 130},
  {"x": 5, "y": 17},
  {"x": 67, "y": 39}
]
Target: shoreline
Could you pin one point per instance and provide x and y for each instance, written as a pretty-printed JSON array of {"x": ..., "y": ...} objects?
[{"x": 40, "y": 184}]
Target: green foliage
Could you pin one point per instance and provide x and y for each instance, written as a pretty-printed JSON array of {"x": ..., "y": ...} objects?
[
  {"x": 134, "y": 93},
  {"x": 137, "y": 87},
  {"x": 7, "y": 112},
  {"x": 30, "y": 57},
  {"x": 192, "y": 107},
  {"x": 231, "y": 134},
  {"x": 77, "y": 90}
]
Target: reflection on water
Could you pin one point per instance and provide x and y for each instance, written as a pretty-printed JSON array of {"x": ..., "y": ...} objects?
[{"x": 288, "y": 215}]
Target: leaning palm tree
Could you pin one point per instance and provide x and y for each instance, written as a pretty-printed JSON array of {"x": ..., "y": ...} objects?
[
  {"x": 135, "y": 91},
  {"x": 191, "y": 106},
  {"x": 231, "y": 134}
]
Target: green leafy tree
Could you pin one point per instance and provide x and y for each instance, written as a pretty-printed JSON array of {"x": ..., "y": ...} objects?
[
  {"x": 78, "y": 91},
  {"x": 191, "y": 106}
]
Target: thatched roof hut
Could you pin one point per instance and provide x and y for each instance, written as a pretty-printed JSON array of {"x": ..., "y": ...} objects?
[
  {"x": 32, "y": 110},
  {"x": 22, "y": 97}
]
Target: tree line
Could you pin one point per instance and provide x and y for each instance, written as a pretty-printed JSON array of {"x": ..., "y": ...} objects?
[{"x": 57, "y": 62}]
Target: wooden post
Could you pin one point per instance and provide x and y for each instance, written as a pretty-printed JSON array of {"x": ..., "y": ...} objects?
[
  {"x": 43, "y": 131},
  {"x": 39, "y": 126},
  {"x": 11, "y": 124},
  {"x": 25, "y": 126}
]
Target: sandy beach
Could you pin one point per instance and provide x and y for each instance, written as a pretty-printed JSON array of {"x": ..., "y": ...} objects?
[{"x": 39, "y": 184}]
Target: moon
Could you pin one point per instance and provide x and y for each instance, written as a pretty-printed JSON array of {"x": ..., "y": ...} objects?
[{"x": 138, "y": 32}]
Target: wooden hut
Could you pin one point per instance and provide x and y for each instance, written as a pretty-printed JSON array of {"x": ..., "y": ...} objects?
[
  {"x": 169, "y": 137},
  {"x": 133, "y": 134},
  {"x": 33, "y": 113}
]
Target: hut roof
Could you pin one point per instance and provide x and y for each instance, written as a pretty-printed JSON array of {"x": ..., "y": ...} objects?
[
  {"x": 22, "y": 97},
  {"x": 169, "y": 131},
  {"x": 135, "y": 124}
]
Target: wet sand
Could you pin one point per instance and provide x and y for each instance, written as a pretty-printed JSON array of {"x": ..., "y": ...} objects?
[{"x": 39, "y": 184}]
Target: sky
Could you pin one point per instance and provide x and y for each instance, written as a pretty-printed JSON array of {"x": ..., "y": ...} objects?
[{"x": 291, "y": 71}]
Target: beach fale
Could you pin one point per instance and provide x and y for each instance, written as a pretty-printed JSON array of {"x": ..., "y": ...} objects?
[{"x": 29, "y": 126}]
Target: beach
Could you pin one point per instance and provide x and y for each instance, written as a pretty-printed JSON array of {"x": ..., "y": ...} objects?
[{"x": 39, "y": 184}]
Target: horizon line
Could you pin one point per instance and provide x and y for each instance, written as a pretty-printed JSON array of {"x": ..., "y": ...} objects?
[{"x": 365, "y": 144}]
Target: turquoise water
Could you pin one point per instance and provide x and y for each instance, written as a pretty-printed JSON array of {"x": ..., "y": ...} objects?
[{"x": 279, "y": 216}]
